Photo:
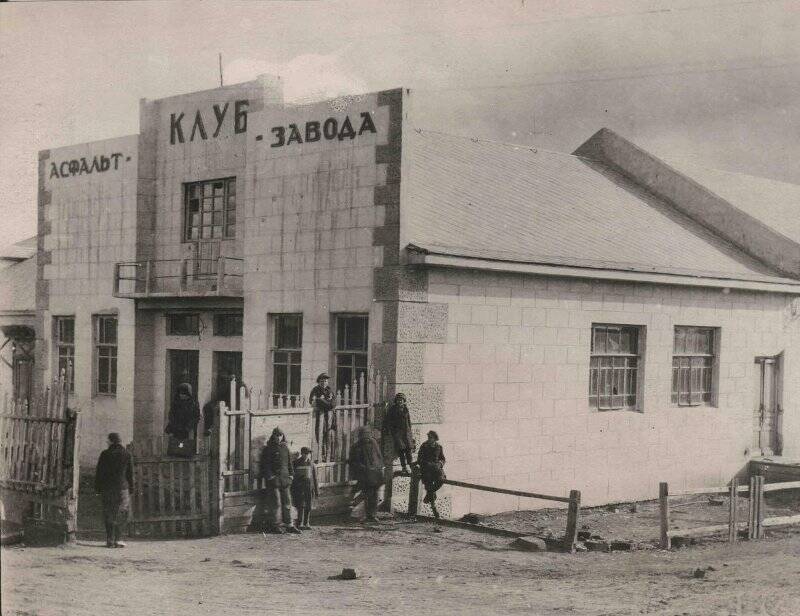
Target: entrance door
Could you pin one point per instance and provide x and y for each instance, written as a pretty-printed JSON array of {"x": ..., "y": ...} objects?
[
  {"x": 768, "y": 412},
  {"x": 227, "y": 364},
  {"x": 183, "y": 368}
]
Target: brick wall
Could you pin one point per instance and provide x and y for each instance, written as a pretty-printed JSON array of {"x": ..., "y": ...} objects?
[
  {"x": 87, "y": 223},
  {"x": 514, "y": 370}
]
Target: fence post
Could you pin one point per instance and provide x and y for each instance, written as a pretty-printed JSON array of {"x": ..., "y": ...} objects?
[
  {"x": 751, "y": 509},
  {"x": 220, "y": 464},
  {"x": 759, "y": 506},
  {"x": 72, "y": 493},
  {"x": 733, "y": 526},
  {"x": 663, "y": 505},
  {"x": 573, "y": 513},
  {"x": 413, "y": 492}
]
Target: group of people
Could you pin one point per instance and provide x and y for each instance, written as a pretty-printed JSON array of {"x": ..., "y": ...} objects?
[{"x": 290, "y": 480}]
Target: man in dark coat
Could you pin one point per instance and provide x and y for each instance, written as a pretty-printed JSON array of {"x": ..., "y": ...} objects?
[
  {"x": 114, "y": 482},
  {"x": 323, "y": 400},
  {"x": 276, "y": 469},
  {"x": 431, "y": 465},
  {"x": 366, "y": 467},
  {"x": 184, "y": 414},
  {"x": 397, "y": 429}
]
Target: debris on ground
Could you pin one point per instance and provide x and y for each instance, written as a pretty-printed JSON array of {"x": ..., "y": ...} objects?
[
  {"x": 471, "y": 518},
  {"x": 716, "y": 502},
  {"x": 621, "y": 546},
  {"x": 699, "y": 574},
  {"x": 597, "y": 546}
]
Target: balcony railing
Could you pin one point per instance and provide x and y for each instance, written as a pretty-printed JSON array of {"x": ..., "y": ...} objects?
[{"x": 220, "y": 277}]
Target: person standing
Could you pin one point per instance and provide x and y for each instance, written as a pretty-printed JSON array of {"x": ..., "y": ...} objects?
[
  {"x": 431, "y": 465},
  {"x": 322, "y": 397},
  {"x": 114, "y": 482},
  {"x": 276, "y": 469},
  {"x": 397, "y": 427},
  {"x": 366, "y": 467},
  {"x": 184, "y": 414},
  {"x": 304, "y": 488}
]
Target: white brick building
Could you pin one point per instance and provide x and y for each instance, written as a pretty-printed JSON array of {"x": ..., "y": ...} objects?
[{"x": 533, "y": 306}]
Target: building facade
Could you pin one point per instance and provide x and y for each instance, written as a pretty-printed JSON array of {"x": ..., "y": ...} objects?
[{"x": 594, "y": 321}]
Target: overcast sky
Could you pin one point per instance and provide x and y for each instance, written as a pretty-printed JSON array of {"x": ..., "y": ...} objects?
[{"x": 713, "y": 82}]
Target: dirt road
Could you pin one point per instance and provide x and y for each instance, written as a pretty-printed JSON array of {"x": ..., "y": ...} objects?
[{"x": 407, "y": 568}]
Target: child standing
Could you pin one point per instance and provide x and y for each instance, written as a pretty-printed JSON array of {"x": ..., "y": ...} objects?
[
  {"x": 431, "y": 465},
  {"x": 304, "y": 488}
]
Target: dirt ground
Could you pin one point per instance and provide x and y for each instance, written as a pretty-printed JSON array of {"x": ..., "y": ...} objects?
[{"x": 405, "y": 568}]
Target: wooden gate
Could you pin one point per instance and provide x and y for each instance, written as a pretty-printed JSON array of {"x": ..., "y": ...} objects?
[
  {"x": 39, "y": 448},
  {"x": 172, "y": 496}
]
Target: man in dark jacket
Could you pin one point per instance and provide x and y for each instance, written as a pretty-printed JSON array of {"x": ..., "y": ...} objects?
[
  {"x": 114, "y": 483},
  {"x": 321, "y": 397},
  {"x": 397, "y": 430},
  {"x": 276, "y": 469},
  {"x": 184, "y": 414},
  {"x": 366, "y": 467}
]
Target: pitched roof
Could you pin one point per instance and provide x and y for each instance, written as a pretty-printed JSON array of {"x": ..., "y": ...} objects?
[{"x": 464, "y": 197}]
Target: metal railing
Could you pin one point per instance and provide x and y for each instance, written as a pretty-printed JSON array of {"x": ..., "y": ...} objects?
[{"x": 175, "y": 277}]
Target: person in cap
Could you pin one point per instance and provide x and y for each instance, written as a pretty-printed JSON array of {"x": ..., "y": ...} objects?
[
  {"x": 184, "y": 414},
  {"x": 113, "y": 480},
  {"x": 304, "y": 488},
  {"x": 430, "y": 459},
  {"x": 397, "y": 430},
  {"x": 366, "y": 467},
  {"x": 323, "y": 400},
  {"x": 276, "y": 469}
]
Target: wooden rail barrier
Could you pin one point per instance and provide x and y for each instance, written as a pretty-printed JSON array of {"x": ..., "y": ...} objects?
[
  {"x": 573, "y": 500},
  {"x": 756, "y": 522}
]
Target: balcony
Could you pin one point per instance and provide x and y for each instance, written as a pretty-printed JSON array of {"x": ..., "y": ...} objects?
[{"x": 168, "y": 278}]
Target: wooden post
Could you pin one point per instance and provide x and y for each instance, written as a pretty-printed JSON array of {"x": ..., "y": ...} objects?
[
  {"x": 573, "y": 514},
  {"x": 759, "y": 507},
  {"x": 221, "y": 466},
  {"x": 72, "y": 494},
  {"x": 663, "y": 504},
  {"x": 751, "y": 510},
  {"x": 733, "y": 526},
  {"x": 413, "y": 492}
]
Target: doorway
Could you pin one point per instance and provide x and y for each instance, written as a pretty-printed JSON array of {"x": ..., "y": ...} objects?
[
  {"x": 183, "y": 368},
  {"x": 227, "y": 364},
  {"x": 768, "y": 438}
]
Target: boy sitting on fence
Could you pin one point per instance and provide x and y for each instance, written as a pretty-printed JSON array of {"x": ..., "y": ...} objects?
[{"x": 304, "y": 488}]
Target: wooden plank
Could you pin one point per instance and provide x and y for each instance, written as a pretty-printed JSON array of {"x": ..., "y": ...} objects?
[
  {"x": 192, "y": 504},
  {"x": 786, "y": 485},
  {"x": 696, "y": 491},
  {"x": 220, "y": 466},
  {"x": 733, "y": 499},
  {"x": 663, "y": 506},
  {"x": 475, "y": 486},
  {"x": 783, "y": 520},
  {"x": 751, "y": 510},
  {"x": 489, "y": 530},
  {"x": 571, "y": 535}
]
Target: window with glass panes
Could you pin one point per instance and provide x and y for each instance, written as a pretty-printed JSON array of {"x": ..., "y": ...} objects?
[
  {"x": 614, "y": 367},
  {"x": 210, "y": 209},
  {"x": 228, "y": 324},
  {"x": 106, "y": 354},
  {"x": 350, "y": 349},
  {"x": 287, "y": 354},
  {"x": 693, "y": 366},
  {"x": 183, "y": 324},
  {"x": 65, "y": 347}
]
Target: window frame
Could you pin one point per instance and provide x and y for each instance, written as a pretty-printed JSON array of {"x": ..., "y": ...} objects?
[
  {"x": 101, "y": 347},
  {"x": 353, "y": 366},
  {"x": 221, "y": 331},
  {"x": 69, "y": 347},
  {"x": 707, "y": 395},
  {"x": 227, "y": 211},
  {"x": 294, "y": 355},
  {"x": 168, "y": 323},
  {"x": 596, "y": 360}
]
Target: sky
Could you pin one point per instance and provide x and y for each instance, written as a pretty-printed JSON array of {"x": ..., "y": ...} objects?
[{"x": 714, "y": 83}]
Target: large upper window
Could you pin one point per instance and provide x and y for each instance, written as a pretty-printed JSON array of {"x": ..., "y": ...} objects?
[
  {"x": 183, "y": 324},
  {"x": 350, "y": 349},
  {"x": 210, "y": 210},
  {"x": 614, "y": 367},
  {"x": 693, "y": 366},
  {"x": 228, "y": 324},
  {"x": 65, "y": 347},
  {"x": 106, "y": 354},
  {"x": 287, "y": 354}
]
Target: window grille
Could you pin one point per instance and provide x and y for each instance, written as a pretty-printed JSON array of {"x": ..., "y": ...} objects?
[
  {"x": 614, "y": 367},
  {"x": 693, "y": 366},
  {"x": 106, "y": 355}
]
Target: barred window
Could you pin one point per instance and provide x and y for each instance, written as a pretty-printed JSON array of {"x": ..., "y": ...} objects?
[
  {"x": 183, "y": 324},
  {"x": 351, "y": 349},
  {"x": 287, "y": 355},
  {"x": 693, "y": 366},
  {"x": 210, "y": 209},
  {"x": 106, "y": 354},
  {"x": 614, "y": 367},
  {"x": 65, "y": 346},
  {"x": 228, "y": 324}
]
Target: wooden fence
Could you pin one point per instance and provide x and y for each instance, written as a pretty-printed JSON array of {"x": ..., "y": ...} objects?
[
  {"x": 755, "y": 522},
  {"x": 39, "y": 449},
  {"x": 172, "y": 496},
  {"x": 573, "y": 502}
]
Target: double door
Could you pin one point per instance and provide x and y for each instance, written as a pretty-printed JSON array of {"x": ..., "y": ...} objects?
[{"x": 767, "y": 419}]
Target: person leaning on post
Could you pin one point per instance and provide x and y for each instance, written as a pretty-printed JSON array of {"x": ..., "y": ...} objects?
[
  {"x": 276, "y": 469},
  {"x": 113, "y": 480}
]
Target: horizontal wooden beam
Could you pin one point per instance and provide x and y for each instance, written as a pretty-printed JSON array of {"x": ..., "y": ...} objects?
[
  {"x": 475, "y": 486},
  {"x": 786, "y": 485},
  {"x": 782, "y": 520}
]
